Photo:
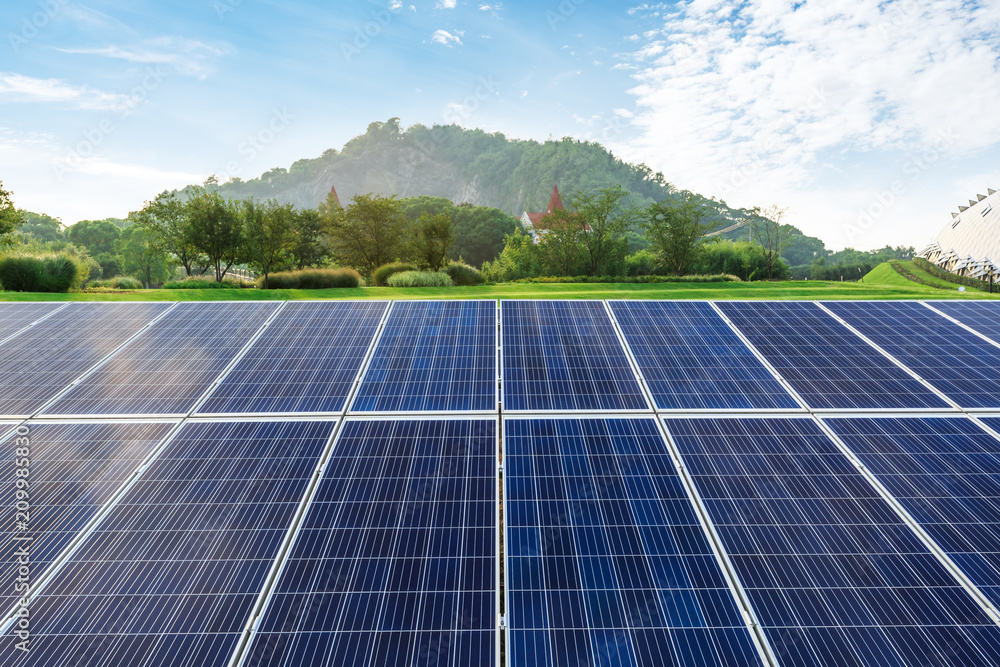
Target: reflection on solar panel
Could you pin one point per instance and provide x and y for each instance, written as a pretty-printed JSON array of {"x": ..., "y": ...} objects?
[
  {"x": 983, "y": 316},
  {"x": 957, "y": 362},
  {"x": 692, "y": 360},
  {"x": 305, "y": 361},
  {"x": 16, "y": 316},
  {"x": 169, "y": 577},
  {"x": 829, "y": 366},
  {"x": 166, "y": 369},
  {"x": 565, "y": 355},
  {"x": 835, "y": 576},
  {"x": 45, "y": 359},
  {"x": 74, "y": 469},
  {"x": 607, "y": 563},
  {"x": 395, "y": 562},
  {"x": 433, "y": 355},
  {"x": 945, "y": 472}
]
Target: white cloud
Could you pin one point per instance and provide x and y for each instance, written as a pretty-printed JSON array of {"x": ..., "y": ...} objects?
[
  {"x": 186, "y": 56},
  {"x": 20, "y": 88},
  {"x": 395, "y": 5},
  {"x": 775, "y": 88},
  {"x": 445, "y": 37},
  {"x": 445, "y": 4}
]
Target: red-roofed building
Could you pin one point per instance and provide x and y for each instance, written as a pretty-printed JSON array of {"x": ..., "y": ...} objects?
[
  {"x": 333, "y": 191},
  {"x": 533, "y": 221}
]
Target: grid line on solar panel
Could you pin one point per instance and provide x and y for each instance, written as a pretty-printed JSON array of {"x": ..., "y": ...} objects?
[
  {"x": 306, "y": 361},
  {"x": 169, "y": 367},
  {"x": 983, "y": 317},
  {"x": 828, "y": 365},
  {"x": 395, "y": 561},
  {"x": 834, "y": 574},
  {"x": 957, "y": 362},
  {"x": 170, "y": 574},
  {"x": 565, "y": 355},
  {"x": 433, "y": 356},
  {"x": 17, "y": 317},
  {"x": 691, "y": 359},
  {"x": 943, "y": 472},
  {"x": 74, "y": 469},
  {"x": 43, "y": 360},
  {"x": 607, "y": 560}
]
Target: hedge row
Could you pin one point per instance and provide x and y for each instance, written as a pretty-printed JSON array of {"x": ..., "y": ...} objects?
[
  {"x": 208, "y": 282},
  {"x": 938, "y": 272},
  {"x": 719, "y": 278},
  {"x": 312, "y": 279},
  {"x": 420, "y": 279},
  {"x": 55, "y": 273}
]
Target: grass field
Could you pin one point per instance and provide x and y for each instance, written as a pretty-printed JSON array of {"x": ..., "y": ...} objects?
[{"x": 881, "y": 283}]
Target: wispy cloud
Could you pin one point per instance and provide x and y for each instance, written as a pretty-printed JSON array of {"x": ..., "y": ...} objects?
[
  {"x": 445, "y": 37},
  {"x": 19, "y": 88},
  {"x": 445, "y": 4},
  {"x": 185, "y": 56}
]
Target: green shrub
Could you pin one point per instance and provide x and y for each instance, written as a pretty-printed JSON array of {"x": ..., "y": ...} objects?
[
  {"x": 53, "y": 273},
  {"x": 463, "y": 274},
  {"x": 208, "y": 282},
  {"x": 420, "y": 279},
  {"x": 382, "y": 273},
  {"x": 118, "y": 282},
  {"x": 718, "y": 278},
  {"x": 312, "y": 279}
]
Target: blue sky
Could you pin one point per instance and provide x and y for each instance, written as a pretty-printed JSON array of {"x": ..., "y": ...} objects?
[{"x": 869, "y": 121}]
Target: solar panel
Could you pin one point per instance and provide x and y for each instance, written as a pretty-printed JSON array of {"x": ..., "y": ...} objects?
[
  {"x": 828, "y": 366},
  {"x": 834, "y": 574},
  {"x": 433, "y": 356},
  {"x": 944, "y": 471},
  {"x": 306, "y": 360},
  {"x": 74, "y": 469},
  {"x": 565, "y": 355},
  {"x": 167, "y": 369},
  {"x": 691, "y": 359},
  {"x": 957, "y": 362},
  {"x": 982, "y": 316},
  {"x": 42, "y": 361},
  {"x": 606, "y": 560},
  {"x": 16, "y": 316},
  {"x": 395, "y": 562},
  {"x": 172, "y": 572}
]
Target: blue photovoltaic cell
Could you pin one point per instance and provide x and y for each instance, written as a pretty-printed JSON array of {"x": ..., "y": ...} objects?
[
  {"x": 169, "y": 577},
  {"x": 39, "y": 363},
  {"x": 957, "y": 362},
  {"x": 395, "y": 562},
  {"x": 565, "y": 355},
  {"x": 73, "y": 469},
  {"x": 16, "y": 316},
  {"x": 824, "y": 361},
  {"x": 305, "y": 361},
  {"x": 607, "y": 562},
  {"x": 433, "y": 356},
  {"x": 983, "y": 316},
  {"x": 692, "y": 360},
  {"x": 166, "y": 369},
  {"x": 834, "y": 574},
  {"x": 946, "y": 473}
]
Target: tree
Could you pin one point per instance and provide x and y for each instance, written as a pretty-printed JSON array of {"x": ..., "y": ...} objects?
[
  {"x": 97, "y": 236},
  {"x": 518, "y": 259},
  {"x": 370, "y": 232},
  {"x": 480, "y": 232},
  {"x": 432, "y": 238},
  {"x": 560, "y": 246},
  {"x": 606, "y": 219},
  {"x": 143, "y": 256},
  {"x": 167, "y": 218},
  {"x": 675, "y": 229},
  {"x": 44, "y": 228},
  {"x": 10, "y": 218},
  {"x": 310, "y": 245},
  {"x": 216, "y": 230},
  {"x": 267, "y": 232},
  {"x": 772, "y": 236}
]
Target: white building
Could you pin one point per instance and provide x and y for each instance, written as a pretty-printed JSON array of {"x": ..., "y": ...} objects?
[{"x": 970, "y": 244}]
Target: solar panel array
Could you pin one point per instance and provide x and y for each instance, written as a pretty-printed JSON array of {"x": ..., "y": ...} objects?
[{"x": 317, "y": 483}]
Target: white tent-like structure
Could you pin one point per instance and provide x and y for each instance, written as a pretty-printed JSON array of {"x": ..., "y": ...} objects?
[{"x": 970, "y": 244}]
